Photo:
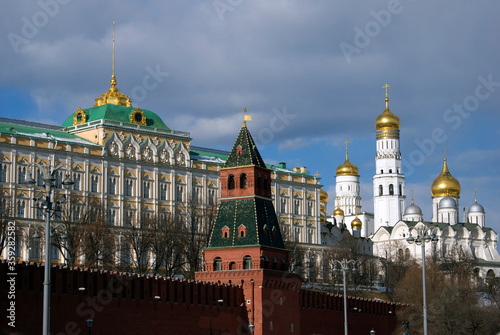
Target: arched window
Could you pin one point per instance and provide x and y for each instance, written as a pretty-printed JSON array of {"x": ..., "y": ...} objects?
[
  {"x": 381, "y": 171},
  {"x": 390, "y": 170},
  {"x": 232, "y": 266},
  {"x": 400, "y": 189},
  {"x": 266, "y": 184},
  {"x": 275, "y": 263},
  {"x": 230, "y": 182},
  {"x": 217, "y": 264},
  {"x": 225, "y": 232},
  {"x": 247, "y": 262},
  {"x": 258, "y": 181},
  {"x": 243, "y": 180},
  {"x": 380, "y": 190},
  {"x": 391, "y": 189},
  {"x": 242, "y": 231}
]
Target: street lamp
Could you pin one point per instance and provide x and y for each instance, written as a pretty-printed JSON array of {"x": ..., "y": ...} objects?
[
  {"x": 90, "y": 323},
  {"x": 344, "y": 267},
  {"x": 251, "y": 327},
  {"x": 372, "y": 332},
  {"x": 48, "y": 181},
  {"x": 422, "y": 241}
]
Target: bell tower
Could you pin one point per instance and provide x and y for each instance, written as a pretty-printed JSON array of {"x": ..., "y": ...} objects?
[{"x": 388, "y": 181}]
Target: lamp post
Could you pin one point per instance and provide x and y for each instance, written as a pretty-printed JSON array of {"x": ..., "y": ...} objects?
[
  {"x": 48, "y": 181},
  {"x": 344, "y": 267},
  {"x": 372, "y": 332},
  {"x": 90, "y": 323},
  {"x": 421, "y": 241},
  {"x": 251, "y": 327}
]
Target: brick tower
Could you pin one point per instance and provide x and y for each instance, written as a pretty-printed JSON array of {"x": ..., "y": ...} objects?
[{"x": 246, "y": 247}]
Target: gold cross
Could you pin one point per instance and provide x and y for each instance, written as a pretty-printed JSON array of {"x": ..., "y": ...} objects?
[
  {"x": 444, "y": 153},
  {"x": 244, "y": 110},
  {"x": 475, "y": 194},
  {"x": 346, "y": 142},
  {"x": 386, "y": 86}
]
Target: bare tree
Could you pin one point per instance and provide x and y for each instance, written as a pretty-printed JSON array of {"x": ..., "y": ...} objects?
[
  {"x": 5, "y": 217},
  {"x": 167, "y": 244},
  {"x": 452, "y": 301},
  {"x": 68, "y": 237},
  {"x": 97, "y": 238},
  {"x": 140, "y": 236},
  {"x": 197, "y": 222}
]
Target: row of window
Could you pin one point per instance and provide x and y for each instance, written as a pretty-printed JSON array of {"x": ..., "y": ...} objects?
[
  {"x": 260, "y": 182},
  {"x": 391, "y": 189},
  {"x": 129, "y": 187},
  {"x": 297, "y": 206}
]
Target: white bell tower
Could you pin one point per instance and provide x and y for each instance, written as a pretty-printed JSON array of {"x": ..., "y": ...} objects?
[{"x": 388, "y": 181}]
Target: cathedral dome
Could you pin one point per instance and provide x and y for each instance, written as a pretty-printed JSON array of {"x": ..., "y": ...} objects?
[
  {"x": 338, "y": 212},
  {"x": 323, "y": 196},
  {"x": 445, "y": 184},
  {"x": 412, "y": 210},
  {"x": 476, "y": 208},
  {"x": 356, "y": 223},
  {"x": 347, "y": 168},
  {"x": 387, "y": 120},
  {"x": 447, "y": 202}
]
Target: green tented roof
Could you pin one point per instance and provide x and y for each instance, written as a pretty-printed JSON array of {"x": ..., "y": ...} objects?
[
  {"x": 256, "y": 215},
  {"x": 117, "y": 113},
  {"x": 244, "y": 151}
]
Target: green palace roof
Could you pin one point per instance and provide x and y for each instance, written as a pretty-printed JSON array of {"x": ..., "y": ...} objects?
[
  {"x": 117, "y": 113},
  {"x": 41, "y": 131}
]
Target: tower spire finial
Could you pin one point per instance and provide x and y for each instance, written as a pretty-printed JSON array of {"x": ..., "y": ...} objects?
[
  {"x": 346, "y": 156},
  {"x": 475, "y": 195},
  {"x": 412, "y": 197},
  {"x": 445, "y": 154},
  {"x": 386, "y": 86},
  {"x": 113, "y": 47},
  {"x": 113, "y": 78},
  {"x": 247, "y": 117}
]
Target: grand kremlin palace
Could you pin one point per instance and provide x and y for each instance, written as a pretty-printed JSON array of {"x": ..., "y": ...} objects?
[{"x": 132, "y": 163}]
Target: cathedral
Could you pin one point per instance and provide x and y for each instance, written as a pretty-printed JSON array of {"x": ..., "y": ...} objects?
[{"x": 391, "y": 224}]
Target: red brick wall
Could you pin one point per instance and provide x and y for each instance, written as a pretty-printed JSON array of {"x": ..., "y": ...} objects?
[
  {"x": 127, "y": 304},
  {"x": 121, "y": 304}
]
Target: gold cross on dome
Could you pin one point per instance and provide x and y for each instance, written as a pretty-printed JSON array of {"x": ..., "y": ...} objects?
[
  {"x": 386, "y": 86},
  {"x": 346, "y": 142},
  {"x": 444, "y": 153},
  {"x": 244, "y": 110}
]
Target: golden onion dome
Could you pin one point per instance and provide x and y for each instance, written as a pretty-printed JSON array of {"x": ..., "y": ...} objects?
[
  {"x": 387, "y": 120},
  {"x": 323, "y": 196},
  {"x": 445, "y": 184},
  {"x": 356, "y": 223},
  {"x": 338, "y": 212},
  {"x": 347, "y": 168}
]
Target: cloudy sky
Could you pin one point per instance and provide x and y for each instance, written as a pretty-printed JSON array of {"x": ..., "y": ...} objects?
[{"x": 309, "y": 72}]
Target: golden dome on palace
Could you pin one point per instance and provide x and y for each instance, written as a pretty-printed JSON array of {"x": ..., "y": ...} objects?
[
  {"x": 347, "y": 169},
  {"x": 356, "y": 223},
  {"x": 338, "y": 212},
  {"x": 445, "y": 184},
  {"x": 113, "y": 96},
  {"x": 387, "y": 120}
]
